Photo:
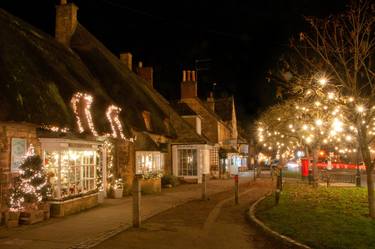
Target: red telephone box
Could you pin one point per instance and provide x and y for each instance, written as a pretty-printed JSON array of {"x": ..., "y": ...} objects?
[{"x": 304, "y": 167}]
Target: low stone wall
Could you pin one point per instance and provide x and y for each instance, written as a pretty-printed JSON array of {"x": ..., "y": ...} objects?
[
  {"x": 68, "y": 207},
  {"x": 151, "y": 186}
]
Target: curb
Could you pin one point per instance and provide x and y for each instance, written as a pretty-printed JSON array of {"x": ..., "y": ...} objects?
[{"x": 282, "y": 238}]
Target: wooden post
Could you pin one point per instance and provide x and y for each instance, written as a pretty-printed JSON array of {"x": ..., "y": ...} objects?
[
  {"x": 136, "y": 192},
  {"x": 204, "y": 187},
  {"x": 236, "y": 189},
  {"x": 277, "y": 196},
  {"x": 279, "y": 185}
]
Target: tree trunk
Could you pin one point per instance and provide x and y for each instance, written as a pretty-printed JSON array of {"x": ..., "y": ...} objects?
[
  {"x": 369, "y": 170},
  {"x": 315, "y": 173}
]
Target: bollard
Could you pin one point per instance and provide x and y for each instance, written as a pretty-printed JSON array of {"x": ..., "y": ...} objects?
[
  {"x": 204, "y": 187},
  {"x": 277, "y": 196},
  {"x": 236, "y": 189},
  {"x": 136, "y": 192}
]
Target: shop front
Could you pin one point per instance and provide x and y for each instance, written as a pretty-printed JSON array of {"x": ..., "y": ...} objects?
[
  {"x": 191, "y": 161},
  {"x": 71, "y": 167},
  {"x": 150, "y": 164}
]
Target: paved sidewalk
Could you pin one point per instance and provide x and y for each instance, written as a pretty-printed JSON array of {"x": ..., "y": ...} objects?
[
  {"x": 88, "y": 228},
  {"x": 214, "y": 224}
]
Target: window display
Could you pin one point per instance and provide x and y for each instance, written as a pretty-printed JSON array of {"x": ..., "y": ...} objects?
[
  {"x": 149, "y": 162},
  {"x": 71, "y": 171}
]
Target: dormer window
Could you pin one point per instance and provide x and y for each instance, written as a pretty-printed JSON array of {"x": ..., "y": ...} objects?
[{"x": 147, "y": 119}]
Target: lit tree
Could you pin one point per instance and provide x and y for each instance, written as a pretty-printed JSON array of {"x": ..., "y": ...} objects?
[
  {"x": 30, "y": 188},
  {"x": 311, "y": 118},
  {"x": 344, "y": 47}
]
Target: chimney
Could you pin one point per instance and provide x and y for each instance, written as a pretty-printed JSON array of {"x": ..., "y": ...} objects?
[
  {"x": 66, "y": 21},
  {"x": 211, "y": 101},
  {"x": 188, "y": 84},
  {"x": 127, "y": 59},
  {"x": 147, "y": 73}
]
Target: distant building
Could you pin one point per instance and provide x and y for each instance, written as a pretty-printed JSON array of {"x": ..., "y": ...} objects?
[{"x": 216, "y": 120}]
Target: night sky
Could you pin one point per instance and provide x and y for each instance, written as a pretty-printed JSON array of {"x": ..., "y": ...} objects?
[{"x": 233, "y": 43}]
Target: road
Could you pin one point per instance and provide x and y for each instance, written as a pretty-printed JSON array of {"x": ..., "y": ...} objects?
[{"x": 215, "y": 223}]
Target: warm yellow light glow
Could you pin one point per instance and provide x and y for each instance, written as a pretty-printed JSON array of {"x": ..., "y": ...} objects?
[
  {"x": 360, "y": 108},
  {"x": 318, "y": 122},
  {"x": 337, "y": 125},
  {"x": 322, "y": 81},
  {"x": 308, "y": 140}
]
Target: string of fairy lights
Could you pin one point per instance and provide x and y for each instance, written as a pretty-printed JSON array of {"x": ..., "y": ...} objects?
[{"x": 318, "y": 115}]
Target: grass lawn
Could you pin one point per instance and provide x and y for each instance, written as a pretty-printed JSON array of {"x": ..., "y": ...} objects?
[{"x": 332, "y": 217}]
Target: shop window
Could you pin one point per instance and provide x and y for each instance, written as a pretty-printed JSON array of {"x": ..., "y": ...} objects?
[
  {"x": 188, "y": 164},
  {"x": 71, "y": 171},
  {"x": 149, "y": 162}
]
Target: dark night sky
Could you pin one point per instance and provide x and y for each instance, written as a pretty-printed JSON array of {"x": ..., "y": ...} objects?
[{"x": 241, "y": 39}]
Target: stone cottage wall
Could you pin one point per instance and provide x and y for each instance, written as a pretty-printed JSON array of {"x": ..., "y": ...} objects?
[
  {"x": 9, "y": 130},
  {"x": 125, "y": 163}
]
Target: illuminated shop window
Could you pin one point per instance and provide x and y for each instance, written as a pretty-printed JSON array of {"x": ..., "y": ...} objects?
[
  {"x": 149, "y": 162},
  {"x": 71, "y": 171},
  {"x": 188, "y": 163}
]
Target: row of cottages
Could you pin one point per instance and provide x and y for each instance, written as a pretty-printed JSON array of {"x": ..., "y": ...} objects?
[
  {"x": 94, "y": 118},
  {"x": 216, "y": 120}
]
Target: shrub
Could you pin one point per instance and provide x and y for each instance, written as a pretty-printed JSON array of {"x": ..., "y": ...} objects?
[{"x": 169, "y": 179}]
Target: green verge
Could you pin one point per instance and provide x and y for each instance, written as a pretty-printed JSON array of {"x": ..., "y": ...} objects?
[{"x": 329, "y": 218}]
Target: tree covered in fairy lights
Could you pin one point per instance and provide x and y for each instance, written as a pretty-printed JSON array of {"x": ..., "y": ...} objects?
[
  {"x": 30, "y": 187},
  {"x": 337, "y": 56}
]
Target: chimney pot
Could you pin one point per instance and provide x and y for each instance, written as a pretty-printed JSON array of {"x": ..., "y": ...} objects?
[
  {"x": 188, "y": 84},
  {"x": 66, "y": 21},
  {"x": 192, "y": 75},
  {"x": 211, "y": 101},
  {"x": 147, "y": 73},
  {"x": 127, "y": 59}
]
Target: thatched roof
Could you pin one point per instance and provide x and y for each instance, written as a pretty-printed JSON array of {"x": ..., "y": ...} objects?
[
  {"x": 38, "y": 77},
  {"x": 132, "y": 93}
]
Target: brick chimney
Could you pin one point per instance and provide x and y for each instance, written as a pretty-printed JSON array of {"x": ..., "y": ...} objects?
[
  {"x": 127, "y": 59},
  {"x": 147, "y": 73},
  {"x": 66, "y": 21},
  {"x": 211, "y": 101},
  {"x": 189, "y": 84}
]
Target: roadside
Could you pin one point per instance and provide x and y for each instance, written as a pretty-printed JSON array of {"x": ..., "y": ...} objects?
[
  {"x": 216, "y": 223},
  {"x": 115, "y": 215}
]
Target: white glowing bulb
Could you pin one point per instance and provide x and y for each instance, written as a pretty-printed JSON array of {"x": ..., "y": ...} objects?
[
  {"x": 318, "y": 122},
  {"x": 322, "y": 81},
  {"x": 360, "y": 108}
]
